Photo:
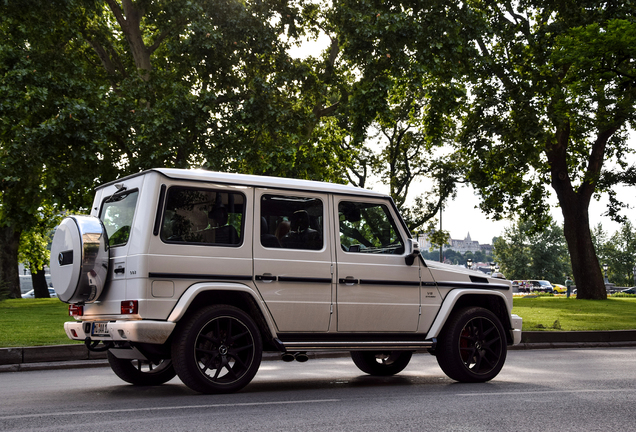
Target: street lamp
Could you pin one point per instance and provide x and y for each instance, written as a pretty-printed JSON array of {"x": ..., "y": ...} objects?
[
  {"x": 469, "y": 264},
  {"x": 605, "y": 266}
]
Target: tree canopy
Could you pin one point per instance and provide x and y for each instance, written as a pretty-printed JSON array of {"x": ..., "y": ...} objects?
[
  {"x": 534, "y": 95},
  {"x": 552, "y": 97},
  {"x": 524, "y": 254}
]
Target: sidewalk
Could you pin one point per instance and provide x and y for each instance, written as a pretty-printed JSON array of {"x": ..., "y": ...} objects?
[{"x": 78, "y": 356}]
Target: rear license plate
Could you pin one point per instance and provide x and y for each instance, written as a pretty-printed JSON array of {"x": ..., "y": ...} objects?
[{"x": 99, "y": 329}]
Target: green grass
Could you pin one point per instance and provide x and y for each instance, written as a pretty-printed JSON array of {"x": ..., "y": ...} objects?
[
  {"x": 33, "y": 322},
  {"x": 561, "y": 313}
]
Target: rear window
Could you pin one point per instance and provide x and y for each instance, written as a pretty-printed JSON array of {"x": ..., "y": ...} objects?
[
  {"x": 117, "y": 215},
  {"x": 203, "y": 216}
]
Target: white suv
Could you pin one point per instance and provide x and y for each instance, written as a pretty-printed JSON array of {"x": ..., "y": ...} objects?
[{"x": 197, "y": 273}]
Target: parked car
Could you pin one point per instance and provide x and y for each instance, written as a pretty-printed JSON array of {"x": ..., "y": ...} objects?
[
  {"x": 31, "y": 294},
  {"x": 558, "y": 288},
  {"x": 194, "y": 273},
  {"x": 631, "y": 290},
  {"x": 540, "y": 286}
]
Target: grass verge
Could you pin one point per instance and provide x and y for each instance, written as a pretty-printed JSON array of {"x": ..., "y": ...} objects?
[
  {"x": 561, "y": 313},
  {"x": 33, "y": 322},
  {"x": 36, "y": 322}
]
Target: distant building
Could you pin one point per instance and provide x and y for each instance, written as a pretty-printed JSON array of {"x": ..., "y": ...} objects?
[{"x": 461, "y": 246}]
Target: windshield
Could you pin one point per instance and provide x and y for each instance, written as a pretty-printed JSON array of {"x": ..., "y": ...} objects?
[{"x": 117, "y": 215}]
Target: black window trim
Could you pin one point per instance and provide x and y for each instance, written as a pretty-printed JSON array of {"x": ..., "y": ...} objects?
[
  {"x": 224, "y": 245},
  {"x": 294, "y": 193},
  {"x": 123, "y": 193},
  {"x": 366, "y": 200}
]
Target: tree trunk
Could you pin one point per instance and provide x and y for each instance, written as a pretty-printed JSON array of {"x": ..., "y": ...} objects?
[
  {"x": 9, "y": 278},
  {"x": 585, "y": 266},
  {"x": 575, "y": 208},
  {"x": 40, "y": 288}
]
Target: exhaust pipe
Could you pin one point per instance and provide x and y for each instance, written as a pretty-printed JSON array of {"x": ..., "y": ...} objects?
[
  {"x": 301, "y": 357},
  {"x": 287, "y": 357}
]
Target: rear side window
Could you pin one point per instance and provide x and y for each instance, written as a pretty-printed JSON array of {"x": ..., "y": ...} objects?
[
  {"x": 117, "y": 215},
  {"x": 203, "y": 216},
  {"x": 292, "y": 222}
]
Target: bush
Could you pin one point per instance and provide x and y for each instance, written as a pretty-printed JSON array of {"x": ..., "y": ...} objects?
[{"x": 621, "y": 294}]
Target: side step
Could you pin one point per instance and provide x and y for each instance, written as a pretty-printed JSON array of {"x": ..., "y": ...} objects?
[{"x": 356, "y": 346}]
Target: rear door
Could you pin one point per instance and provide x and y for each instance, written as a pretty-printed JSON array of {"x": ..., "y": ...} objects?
[
  {"x": 293, "y": 258},
  {"x": 376, "y": 290}
]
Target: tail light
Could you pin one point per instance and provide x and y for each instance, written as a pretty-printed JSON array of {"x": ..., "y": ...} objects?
[
  {"x": 75, "y": 310},
  {"x": 129, "y": 307}
]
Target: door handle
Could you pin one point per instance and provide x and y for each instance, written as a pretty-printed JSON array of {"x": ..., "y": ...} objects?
[
  {"x": 266, "y": 278},
  {"x": 349, "y": 280}
]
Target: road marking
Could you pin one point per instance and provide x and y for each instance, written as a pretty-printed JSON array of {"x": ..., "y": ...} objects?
[
  {"x": 538, "y": 392},
  {"x": 127, "y": 410}
]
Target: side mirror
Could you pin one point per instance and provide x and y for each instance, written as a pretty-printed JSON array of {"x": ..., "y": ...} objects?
[{"x": 413, "y": 249}]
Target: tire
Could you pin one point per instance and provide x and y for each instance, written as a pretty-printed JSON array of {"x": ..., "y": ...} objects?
[
  {"x": 141, "y": 372},
  {"x": 217, "y": 350},
  {"x": 381, "y": 363},
  {"x": 472, "y": 346}
]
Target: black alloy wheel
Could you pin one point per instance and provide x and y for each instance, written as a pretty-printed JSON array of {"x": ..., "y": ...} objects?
[
  {"x": 217, "y": 350},
  {"x": 472, "y": 346},
  {"x": 142, "y": 372},
  {"x": 381, "y": 363}
]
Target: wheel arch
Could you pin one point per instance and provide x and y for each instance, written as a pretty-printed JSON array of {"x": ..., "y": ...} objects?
[
  {"x": 493, "y": 301},
  {"x": 233, "y": 294}
]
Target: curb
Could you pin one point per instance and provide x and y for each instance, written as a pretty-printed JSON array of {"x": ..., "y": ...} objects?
[{"x": 78, "y": 356}]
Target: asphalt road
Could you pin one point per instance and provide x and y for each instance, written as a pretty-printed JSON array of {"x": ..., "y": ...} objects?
[{"x": 538, "y": 390}]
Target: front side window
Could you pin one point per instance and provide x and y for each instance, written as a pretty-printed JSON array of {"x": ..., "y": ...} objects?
[
  {"x": 117, "y": 215},
  {"x": 368, "y": 228},
  {"x": 292, "y": 222},
  {"x": 204, "y": 216}
]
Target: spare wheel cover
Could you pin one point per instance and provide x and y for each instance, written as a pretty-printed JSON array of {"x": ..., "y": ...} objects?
[{"x": 79, "y": 259}]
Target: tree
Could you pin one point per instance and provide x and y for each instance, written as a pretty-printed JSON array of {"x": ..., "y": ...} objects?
[
  {"x": 617, "y": 252},
  {"x": 553, "y": 94},
  {"x": 46, "y": 119},
  {"x": 401, "y": 104},
  {"x": 34, "y": 249},
  {"x": 93, "y": 90},
  {"x": 403, "y": 153},
  {"x": 525, "y": 253}
]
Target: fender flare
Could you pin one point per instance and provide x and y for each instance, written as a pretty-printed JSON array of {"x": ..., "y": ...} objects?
[
  {"x": 449, "y": 304},
  {"x": 193, "y": 291}
]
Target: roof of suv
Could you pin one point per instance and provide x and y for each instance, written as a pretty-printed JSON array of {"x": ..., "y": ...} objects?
[{"x": 255, "y": 180}]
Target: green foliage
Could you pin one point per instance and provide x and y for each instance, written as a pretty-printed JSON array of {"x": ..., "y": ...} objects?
[
  {"x": 553, "y": 95},
  {"x": 523, "y": 253},
  {"x": 617, "y": 251},
  {"x": 623, "y": 295},
  {"x": 35, "y": 242}
]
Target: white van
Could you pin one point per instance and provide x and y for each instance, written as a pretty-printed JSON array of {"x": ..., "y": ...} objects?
[{"x": 196, "y": 273}]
